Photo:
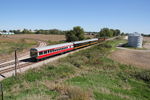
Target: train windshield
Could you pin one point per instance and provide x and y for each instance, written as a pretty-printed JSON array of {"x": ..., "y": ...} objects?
[{"x": 33, "y": 53}]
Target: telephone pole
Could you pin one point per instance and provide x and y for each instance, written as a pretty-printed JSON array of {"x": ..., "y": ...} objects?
[
  {"x": 1, "y": 89},
  {"x": 15, "y": 62}
]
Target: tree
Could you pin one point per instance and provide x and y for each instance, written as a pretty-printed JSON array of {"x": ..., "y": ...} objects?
[
  {"x": 70, "y": 36},
  {"x": 79, "y": 32},
  {"x": 117, "y": 32},
  {"x": 74, "y": 35},
  {"x": 26, "y": 31},
  {"x": 17, "y": 31},
  {"x": 106, "y": 32},
  {"x": 4, "y": 31}
]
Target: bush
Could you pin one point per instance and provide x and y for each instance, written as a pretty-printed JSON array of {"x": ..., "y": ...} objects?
[{"x": 144, "y": 75}]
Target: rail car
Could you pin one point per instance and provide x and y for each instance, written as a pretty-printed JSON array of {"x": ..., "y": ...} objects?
[
  {"x": 44, "y": 52},
  {"x": 84, "y": 43}
]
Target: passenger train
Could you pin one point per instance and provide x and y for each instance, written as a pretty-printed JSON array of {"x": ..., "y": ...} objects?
[{"x": 47, "y": 51}]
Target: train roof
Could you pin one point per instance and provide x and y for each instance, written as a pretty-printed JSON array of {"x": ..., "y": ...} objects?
[
  {"x": 52, "y": 46},
  {"x": 77, "y": 42}
]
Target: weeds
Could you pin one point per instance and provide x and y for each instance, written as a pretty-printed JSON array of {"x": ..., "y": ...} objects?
[{"x": 143, "y": 75}]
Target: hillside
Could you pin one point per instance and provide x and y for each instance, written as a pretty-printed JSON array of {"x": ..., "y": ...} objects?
[{"x": 86, "y": 75}]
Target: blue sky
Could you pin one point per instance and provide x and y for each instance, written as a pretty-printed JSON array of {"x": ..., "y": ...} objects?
[{"x": 92, "y": 15}]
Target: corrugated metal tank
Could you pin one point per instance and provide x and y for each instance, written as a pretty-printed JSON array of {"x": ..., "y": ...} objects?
[{"x": 135, "y": 40}]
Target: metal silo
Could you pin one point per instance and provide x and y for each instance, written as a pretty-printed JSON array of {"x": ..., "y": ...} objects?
[{"x": 135, "y": 40}]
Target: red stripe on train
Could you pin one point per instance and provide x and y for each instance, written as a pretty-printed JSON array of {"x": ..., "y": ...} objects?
[{"x": 54, "y": 53}]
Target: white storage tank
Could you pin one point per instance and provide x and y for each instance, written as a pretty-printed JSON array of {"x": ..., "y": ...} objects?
[{"x": 135, "y": 40}]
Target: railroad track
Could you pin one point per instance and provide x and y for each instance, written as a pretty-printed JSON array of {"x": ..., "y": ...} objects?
[
  {"x": 13, "y": 68},
  {"x": 7, "y": 64}
]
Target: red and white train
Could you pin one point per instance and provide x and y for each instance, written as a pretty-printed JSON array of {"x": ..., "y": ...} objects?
[{"x": 47, "y": 51}]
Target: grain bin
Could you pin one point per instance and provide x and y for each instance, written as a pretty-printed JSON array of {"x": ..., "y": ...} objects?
[{"x": 135, "y": 40}]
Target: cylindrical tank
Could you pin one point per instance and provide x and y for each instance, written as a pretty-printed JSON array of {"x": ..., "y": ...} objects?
[{"x": 135, "y": 40}]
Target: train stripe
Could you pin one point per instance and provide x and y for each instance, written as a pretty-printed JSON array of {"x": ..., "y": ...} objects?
[
  {"x": 54, "y": 53},
  {"x": 85, "y": 45}
]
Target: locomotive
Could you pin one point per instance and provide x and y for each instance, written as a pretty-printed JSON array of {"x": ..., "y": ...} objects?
[{"x": 48, "y": 51}]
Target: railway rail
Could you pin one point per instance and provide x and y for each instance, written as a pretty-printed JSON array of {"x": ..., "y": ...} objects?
[
  {"x": 7, "y": 64},
  {"x": 13, "y": 68}
]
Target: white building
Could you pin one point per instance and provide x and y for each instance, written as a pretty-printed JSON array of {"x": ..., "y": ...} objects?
[
  {"x": 6, "y": 33},
  {"x": 135, "y": 40}
]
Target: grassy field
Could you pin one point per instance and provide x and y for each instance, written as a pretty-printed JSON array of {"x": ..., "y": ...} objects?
[
  {"x": 86, "y": 75},
  {"x": 42, "y": 37},
  {"x": 8, "y": 46}
]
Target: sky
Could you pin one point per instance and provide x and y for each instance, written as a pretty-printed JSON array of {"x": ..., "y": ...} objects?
[{"x": 92, "y": 15}]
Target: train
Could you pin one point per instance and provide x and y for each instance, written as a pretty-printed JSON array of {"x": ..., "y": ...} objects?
[{"x": 40, "y": 53}]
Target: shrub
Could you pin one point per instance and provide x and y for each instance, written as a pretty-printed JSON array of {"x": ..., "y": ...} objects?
[{"x": 144, "y": 75}]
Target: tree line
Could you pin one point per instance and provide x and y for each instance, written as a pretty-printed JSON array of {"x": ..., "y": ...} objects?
[
  {"x": 41, "y": 31},
  {"x": 76, "y": 34},
  {"x": 106, "y": 32}
]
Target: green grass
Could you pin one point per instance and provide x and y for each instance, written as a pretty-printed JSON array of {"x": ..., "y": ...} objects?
[{"x": 93, "y": 75}]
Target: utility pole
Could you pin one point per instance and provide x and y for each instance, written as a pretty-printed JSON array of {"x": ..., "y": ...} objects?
[
  {"x": 1, "y": 87},
  {"x": 15, "y": 62}
]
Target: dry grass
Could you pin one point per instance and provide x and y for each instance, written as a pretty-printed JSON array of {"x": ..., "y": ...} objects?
[
  {"x": 42, "y": 37},
  {"x": 69, "y": 92},
  {"x": 147, "y": 42},
  {"x": 39, "y": 37},
  {"x": 137, "y": 58},
  {"x": 147, "y": 39},
  {"x": 35, "y": 97},
  {"x": 8, "y": 45}
]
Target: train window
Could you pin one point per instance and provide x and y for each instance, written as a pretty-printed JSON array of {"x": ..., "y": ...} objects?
[
  {"x": 45, "y": 52},
  {"x": 40, "y": 53}
]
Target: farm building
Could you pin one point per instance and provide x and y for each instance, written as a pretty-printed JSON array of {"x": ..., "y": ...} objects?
[
  {"x": 135, "y": 40},
  {"x": 6, "y": 33}
]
